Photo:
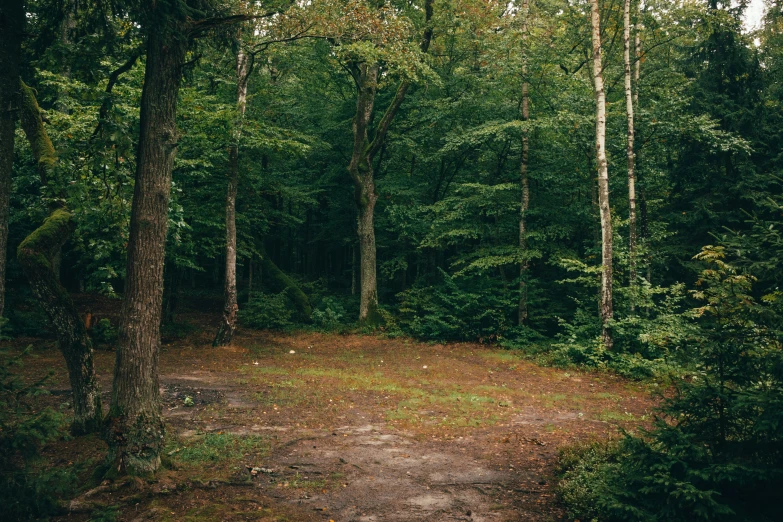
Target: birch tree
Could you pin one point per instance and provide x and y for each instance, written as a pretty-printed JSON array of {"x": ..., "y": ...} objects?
[
  {"x": 629, "y": 104},
  {"x": 605, "y": 304}
]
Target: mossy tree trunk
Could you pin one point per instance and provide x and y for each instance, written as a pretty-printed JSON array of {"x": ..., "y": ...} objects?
[
  {"x": 11, "y": 29},
  {"x": 228, "y": 323},
  {"x": 277, "y": 281},
  {"x": 36, "y": 255},
  {"x": 134, "y": 429}
]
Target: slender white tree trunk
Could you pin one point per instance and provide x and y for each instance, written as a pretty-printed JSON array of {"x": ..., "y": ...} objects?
[
  {"x": 603, "y": 176},
  {"x": 523, "y": 168},
  {"x": 629, "y": 104}
]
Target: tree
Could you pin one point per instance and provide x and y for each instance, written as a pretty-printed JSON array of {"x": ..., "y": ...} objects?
[
  {"x": 603, "y": 176},
  {"x": 228, "y": 323},
  {"x": 361, "y": 170},
  {"x": 523, "y": 170},
  {"x": 135, "y": 430},
  {"x": 36, "y": 255},
  {"x": 630, "y": 152},
  {"x": 11, "y": 29}
]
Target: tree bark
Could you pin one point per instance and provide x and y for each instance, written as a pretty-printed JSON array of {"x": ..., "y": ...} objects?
[
  {"x": 134, "y": 428},
  {"x": 228, "y": 324},
  {"x": 630, "y": 152},
  {"x": 276, "y": 280},
  {"x": 11, "y": 29},
  {"x": 524, "y": 182},
  {"x": 603, "y": 177},
  {"x": 361, "y": 170},
  {"x": 36, "y": 255}
]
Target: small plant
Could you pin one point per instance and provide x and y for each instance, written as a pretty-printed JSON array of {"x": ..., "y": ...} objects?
[
  {"x": 26, "y": 492},
  {"x": 267, "y": 311},
  {"x": 189, "y": 401},
  {"x": 104, "y": 332},
  {"x": 329, "y": 315}
]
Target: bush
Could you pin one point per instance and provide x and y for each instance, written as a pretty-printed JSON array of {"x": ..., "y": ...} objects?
[
  {"x": 716, "y": 450},
  {"x": 25, "y": 494},
  {"x": 104, "y": 333},
  {"x": 267, "y": 311},
  {"x": 448, "y": 311},
  {"x": 329, "y": 315}
]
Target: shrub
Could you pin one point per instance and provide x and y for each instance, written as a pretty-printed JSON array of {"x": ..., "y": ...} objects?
[
  {"x": 272, "y": 311},
  {"x": 25, "y": 494},
  {"x": 448, "y": 311},
  {"x": 104, "y": 333},
  {"x": 716, "y": 450},
  {"x": 329, "y": 315}
]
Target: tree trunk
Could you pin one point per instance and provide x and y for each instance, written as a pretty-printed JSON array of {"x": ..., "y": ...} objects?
[
  {"x": 11, "y": 29},
  {"x": 135, "y": 429},
  {"x": 228, "y": 324},
  {"x": 630, "y": 149},
  {"x": 278, "y": 281},
  {"x": 36, "y": 255},
  {"x": 361, "y": 170},
  {"x": 603, "y": 177},
  {"x": 525, "y": 185}
]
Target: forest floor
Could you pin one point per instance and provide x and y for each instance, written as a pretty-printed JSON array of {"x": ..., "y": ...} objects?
[{"x": 310, "y": 426}]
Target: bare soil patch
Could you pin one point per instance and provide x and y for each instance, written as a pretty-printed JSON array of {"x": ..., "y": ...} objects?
[{"x": 310, "y": 426}]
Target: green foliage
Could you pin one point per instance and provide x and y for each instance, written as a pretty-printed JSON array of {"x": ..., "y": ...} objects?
[
  {"x": 268, "y": 311},
  {"x": 448, "y": 311},
  {"x": 329, "y": 315},
  {"x": 716, "y": 450},
  {"x": 26, "y": 492},
  {"x": 104, "y": 332}
]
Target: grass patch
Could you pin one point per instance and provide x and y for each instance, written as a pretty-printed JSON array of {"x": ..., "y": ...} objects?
[{"x": 217, "y": 447}]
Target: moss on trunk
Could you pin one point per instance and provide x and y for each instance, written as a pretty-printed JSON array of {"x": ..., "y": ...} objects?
[
  {"x": 35, "y": 255},
  {"x": 278, "y": 281}
]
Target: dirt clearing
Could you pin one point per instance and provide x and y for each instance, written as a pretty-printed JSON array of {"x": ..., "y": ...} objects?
[{"x": 322, "y": 427}]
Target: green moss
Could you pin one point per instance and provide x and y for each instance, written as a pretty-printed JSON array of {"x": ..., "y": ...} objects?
[
  {"x": 280, "y": 282},
  {"x": 30, "y": 114},
  {"x": 43, "y": 242}
]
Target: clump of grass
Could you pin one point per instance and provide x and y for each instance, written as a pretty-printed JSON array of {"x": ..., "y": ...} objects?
[{"x": 217, "y": 447}]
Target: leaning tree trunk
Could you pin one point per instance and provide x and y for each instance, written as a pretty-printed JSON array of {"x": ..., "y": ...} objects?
[
  {"x": 524, "y": 182},
  {"x": 134, "y": 428},
  {"x": 36, "y": 255},
  {"x": 630, "y": 153},
  {"x": 228, "y": 324},
  {"x": 603, "y": 177},
  {"x": 11, "y": 30},
  {"x": 277, "y": 281}
]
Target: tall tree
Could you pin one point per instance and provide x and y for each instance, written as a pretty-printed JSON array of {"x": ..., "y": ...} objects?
[
  {"x": 11, "y": 30},
  {"x": 523, "y": 167},
  {"x": 361, "y": 170},
  {"x": 228, "y": 322},
  {"x": 603, "y": 176},
  {"x": 630, "y": 153},
  {"x": 135, "y": 430}
]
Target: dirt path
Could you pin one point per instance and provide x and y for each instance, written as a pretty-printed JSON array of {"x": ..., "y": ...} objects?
[{"x": 355, "y": 428}]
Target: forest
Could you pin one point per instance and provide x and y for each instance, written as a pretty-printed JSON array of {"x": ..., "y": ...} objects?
[{"x": 545, "y": 235}]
